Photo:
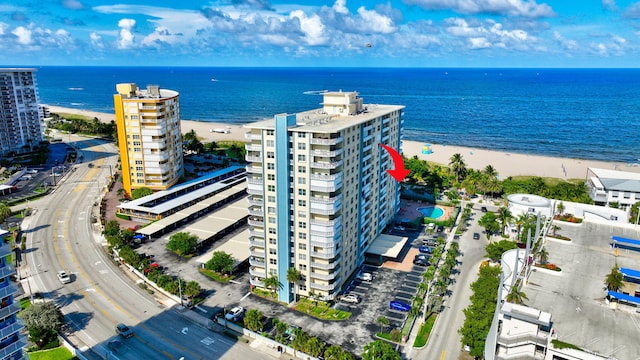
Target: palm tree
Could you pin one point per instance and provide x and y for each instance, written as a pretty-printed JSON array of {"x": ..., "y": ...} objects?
[
  {"x": 458, "y": 167},
  {"x": 516, "y": 296},
  {"x": 614, "y": 279},
  {"x": 293, "y": 276},
  {"x": 560, "y": 208},
  {"x": 555, "y": 228},
  {"x": 504, "y": 216},
  {"x": 543, "y": 255},
  {"x": 429, "y": 273},
  {"x": 417, "y": 301},
  {"x": 383, "y": 321},
  {"x": 272, "y": 283}
]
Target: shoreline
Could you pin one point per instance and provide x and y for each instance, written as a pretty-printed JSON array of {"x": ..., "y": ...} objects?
[{"x": 506, "y": 163}]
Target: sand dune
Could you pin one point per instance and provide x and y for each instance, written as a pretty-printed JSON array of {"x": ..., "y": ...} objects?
[{"x": 506, "y": 164}]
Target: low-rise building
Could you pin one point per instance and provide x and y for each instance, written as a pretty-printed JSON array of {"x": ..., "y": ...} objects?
[{"x": 613, "y": 186}]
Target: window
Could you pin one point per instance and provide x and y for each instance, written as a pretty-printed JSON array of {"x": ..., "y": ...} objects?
[
  {"x": 272, "y": 231},
  {"x": 302, "y": 181},
  {"x": 272, "y": 251},
  {"x": 270, "y": 132},
  {"x": 302, "y": 267},
  {"x": 139, "y": 174},
  {"x": 137, "y": 149},
  {"x": 302, "y": 146},
  {"x": 302, "y": 135},
  {"x": 271, "y": 177},
  {"x": 271, "y": 188},
  {"x": 302, "y": 236},
  {"x": 136, "y": 137},
  {"x": 272, "y": 220},
  {"x": 270, "y": 143},
  {"x": 139, "y": 168},
  {"x": 302, "y": 157},
  {"x": 627, "y": 195},
  {"x": 302, "y": 169},
  {"x": 138, "y": 162},
  {"x": 302, "y": 225},
  {"x": 271, "y": 198},
  {"x": 302, "y": 256},
  {"x": 302, "y": 192},
  {"x": 302, "y": 203},
  {"x": 271, "y": 166},
  {"x": 302, "y": 246},
  {"x": 271, "y": 155},
  {"x": 273, "y": 262},
  {"x": 271, "y": 210},
  {"x": 302, "y": 214},
  {"x": 136, "y": 143},
  {"x": 614, "y": 194},
  {"x": 272, "y": 241}
]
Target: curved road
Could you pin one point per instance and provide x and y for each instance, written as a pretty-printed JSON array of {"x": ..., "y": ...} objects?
[{"x": 60, "y": 237}]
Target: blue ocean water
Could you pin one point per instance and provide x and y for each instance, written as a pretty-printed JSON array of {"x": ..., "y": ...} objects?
[{"x": 575, "y": 113}]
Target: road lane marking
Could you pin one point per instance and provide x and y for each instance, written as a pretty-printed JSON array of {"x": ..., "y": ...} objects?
[{"x": 442, "y": 355}]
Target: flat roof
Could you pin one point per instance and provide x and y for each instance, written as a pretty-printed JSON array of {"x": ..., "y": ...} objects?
[
  {"x": 237, "y": 246},
  {"x": 387, "y": 245},
  {"x": 141, "y": 204},
  {"x": 630, "y": 273},
  {"x": 316, "y": 121},
  {"x": 625, "y": 241},
  {"x": 625, "y": 297},
  {"x": 218, "y": 220},
  {"x": 617, "y": 180}
]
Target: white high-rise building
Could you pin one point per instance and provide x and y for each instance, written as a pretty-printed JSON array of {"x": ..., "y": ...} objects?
[
  {"x": 20, "y": 113},
  {"x": 319, "y": 192}
]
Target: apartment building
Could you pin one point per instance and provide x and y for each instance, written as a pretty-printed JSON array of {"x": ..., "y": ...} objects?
[
  {"x": 319, "y": 192},
  {"x": 149, "y": 137},
  {"x": 20, "y": 114},
  {"x": 12, "y": 342},
  {"x": 613, "y": 186}
]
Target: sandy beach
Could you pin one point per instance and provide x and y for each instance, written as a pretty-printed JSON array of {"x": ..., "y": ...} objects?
[{"x": 506, "y": 164}]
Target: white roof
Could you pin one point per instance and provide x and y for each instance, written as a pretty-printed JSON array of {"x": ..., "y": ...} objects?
[
  {"x": 237, "y": 246},
  {"x": 387, "y": 245}
]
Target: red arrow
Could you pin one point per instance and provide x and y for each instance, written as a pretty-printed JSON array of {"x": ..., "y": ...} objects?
[{"x": 399, "y": 173}]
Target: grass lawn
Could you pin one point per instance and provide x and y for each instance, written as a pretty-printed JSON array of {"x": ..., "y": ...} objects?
[
  {"x": 25, "y": 303},
  {"x": 59, "y": 353},
  {"x": 425, "y": 330},
  {"x": 321, "y": 310},
  {"x": 217, "y": 277}
]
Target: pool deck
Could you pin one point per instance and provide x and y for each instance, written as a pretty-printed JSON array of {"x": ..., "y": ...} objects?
[{"x": 409, "y": 210}]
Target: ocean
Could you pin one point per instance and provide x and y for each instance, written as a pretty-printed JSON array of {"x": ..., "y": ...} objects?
[{"x": 574, "y": 113}]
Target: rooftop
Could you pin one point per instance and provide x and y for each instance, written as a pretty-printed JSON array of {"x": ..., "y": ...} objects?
[{"x": 617, "y": 180}]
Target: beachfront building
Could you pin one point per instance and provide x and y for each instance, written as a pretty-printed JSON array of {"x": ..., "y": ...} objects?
[
  {"x": 319, "y": 193},
  {"x": 613, "y": 186},
  {"x": 10, "y": 327},
  {"x": 20, "y": 113},
  {"x": 149, "y": 138}
]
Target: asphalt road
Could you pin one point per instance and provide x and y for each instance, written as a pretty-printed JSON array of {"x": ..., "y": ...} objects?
[
  {"x": 60, "y": 237},
  {"x": 444, "y": 343}
]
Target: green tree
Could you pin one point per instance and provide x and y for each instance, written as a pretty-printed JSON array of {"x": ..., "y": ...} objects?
[
  {"x": 383, "y": 321},
  {"x": 504, "y": 216},
  {"x": 516, "y": 296},
  {"x": 560, "y": 208},
  {"x": 220, "y": 262},
  {"x": 490, "y": 224},
  {"x": 272, "y": 283},
  {"x": 335, "y": 352},
  {"x": 301, "y": 339},
  {"x": 458, "y": 167},
  {"x": 192, "y": 289},
  {"x": 293, "y": 276},
  {"x": 43, "y": 321},
  {"x": 614, "y": 280},
  {"x": 112, "y": 228},
  {"x": 254, "y": 320},
  {"x": 183, "y": 243},
  {"x": 379, "y": 350},
  {"x": 543, "y": 255},
  {"x": 5, "y": 211},
  {"x": 314, "y": 347},
  {"x": 140, "y": 192},
  {"x": 495, "y": 250}
]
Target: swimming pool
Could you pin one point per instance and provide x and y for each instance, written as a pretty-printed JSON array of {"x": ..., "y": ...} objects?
[{"x": 433, "y": 212}]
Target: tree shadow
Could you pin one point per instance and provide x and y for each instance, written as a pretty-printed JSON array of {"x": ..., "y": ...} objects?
[
  {"x": 76, "y": 321},
  {"x": 66, "y": 299}
]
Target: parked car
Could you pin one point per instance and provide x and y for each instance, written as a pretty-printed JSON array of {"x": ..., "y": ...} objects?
[
  {"x": 429, "y": 243},
  {"x": 124, "y": 331},
  {"x": 423, "y": 257},
  {"x": 64, "y": 277},
  {"x": 350, "y": 298},
  {"x": 420, "y": 262},
  {"x": 425, "y": 249},
  {"x": 399, "y": 306},
  {"x": 440, "y": 228},
  {"x": 484, "y": 209},
  {"x": 290, "y": 333},
  {"x": 476, "y": 236},
  {"x": 364, "y": 276},
  {"x": 234, "y": 313}
]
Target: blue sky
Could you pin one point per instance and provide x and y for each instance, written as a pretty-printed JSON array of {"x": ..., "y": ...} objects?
[{"x": 375, "y": 33}]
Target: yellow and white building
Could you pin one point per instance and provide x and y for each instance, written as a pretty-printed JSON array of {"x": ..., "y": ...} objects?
[
  {"x": 319, "y": 192},
  {"x": 149, "y": 137}
]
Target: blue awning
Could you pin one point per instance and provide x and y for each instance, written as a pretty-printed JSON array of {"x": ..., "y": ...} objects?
[
  {"x": 623, "y": 297},
  {"x": 630, "y": 273},
  {"x": 618, "y": 239}
]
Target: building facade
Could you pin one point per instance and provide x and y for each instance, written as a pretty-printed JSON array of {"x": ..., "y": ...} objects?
[
  {"x": 20, "y": 113},
  {"x": 613, "y": 186},
  {"x": 149, "y": 138},
  {"x": 11, "y": 341},
  {"x": 319, "y": 192}
]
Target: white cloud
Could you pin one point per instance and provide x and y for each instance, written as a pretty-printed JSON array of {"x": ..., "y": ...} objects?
[
  {"x": 72, "y": 4},
  {"x": 126, "y": 37},
  {"x": 479, "y": 43},
  {"x": 340, "y": 6},
  {"x": 566, "y": 44},
  {"x": 609, "y": 5},
  {"x": 528, "y": 8},
  {"x": 3, "y": 28},
  {"x": 488, "y": 33},
  {"x": 96, "y": 40},
  {"x": 375, "y": 22},
  {"x": 23, "y": 34},
  {"x": 312, "y": 27},
  {"x": 633, "y": 11}
]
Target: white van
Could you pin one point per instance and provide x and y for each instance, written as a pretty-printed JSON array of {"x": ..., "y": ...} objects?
[{"x": 431, "y": 226}]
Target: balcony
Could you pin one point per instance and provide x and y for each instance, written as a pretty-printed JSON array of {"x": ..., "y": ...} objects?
[
  {"x": 325, "y": 232},
  {"x": 13, "y": 348},
  {"x": 326, "y": 153},
  {"x": 9, "y": 289},
  {"x": 256, "y": 211},
  {"x": 251, "y": 136},
  {"x": 9, "y": 310},
  {"x": 325, "y": 186},
  {"x": 321, "y": 141},
  {"x": 11, "y": 329},
  {"x": 329, "y": 253},
  {"x": 257, "y": 271},
  {"x": 256, "y": 282},
  {"x": 330, "y": 276},
  {"x": 257, "y": 252},
  {"x": 326, "y": 177},
  {"x": 255, "y": 189},
  {"x": 256, "y": 233},
  {"x": 253, "y": 147},
  {"x": 326, "y": 165},
  {"x": 256, "y": 180},
  {"x": 256, "y": 241},
  {"x": 326, "y": 266},
  {"x": 6, "y": 271},
  {"x": 255, "y": 200},
  {"x": 255, "y": 159},
  {"x": 327, "y": 222},
  {"x": 514, "y": 340},
  {"x": 256, "y": 222},
  {"x": 256, "y": 261},
  {"x": 319, "y": 286},
  {"x": 254, "y": 169}
]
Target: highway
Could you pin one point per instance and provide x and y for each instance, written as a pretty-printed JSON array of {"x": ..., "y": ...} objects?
[
  {"x": 444, "y": 343},
  {"x": 60, "y": 237}
]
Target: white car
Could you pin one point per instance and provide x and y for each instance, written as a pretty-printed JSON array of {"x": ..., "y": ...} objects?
[
  {"x": 64, "y": 277},
  {"x": 364, "y": 276},
  {"x": 234, "y": 313},
  {"x": 350, "y": 298}
]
